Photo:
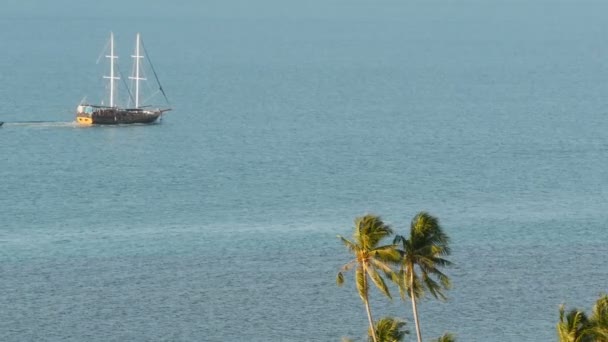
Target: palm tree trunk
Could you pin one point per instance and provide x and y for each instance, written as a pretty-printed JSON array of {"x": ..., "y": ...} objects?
[
  {"x": 368, "y": 310},
  {"x": 371, "y": 321},
  {"x": 414, "y": 308}
]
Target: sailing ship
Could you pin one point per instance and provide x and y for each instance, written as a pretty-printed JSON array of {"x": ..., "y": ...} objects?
[{"x": 87, "y": 114}]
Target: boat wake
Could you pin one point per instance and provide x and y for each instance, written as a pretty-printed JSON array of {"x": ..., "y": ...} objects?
[{"x": 40, "y": 124}]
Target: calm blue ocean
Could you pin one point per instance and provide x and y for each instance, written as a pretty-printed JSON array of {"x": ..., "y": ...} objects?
[{"x": 290, "y": 119}]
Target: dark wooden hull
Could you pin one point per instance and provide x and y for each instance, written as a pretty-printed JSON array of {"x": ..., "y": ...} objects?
[{"x": 113, "y": 116}]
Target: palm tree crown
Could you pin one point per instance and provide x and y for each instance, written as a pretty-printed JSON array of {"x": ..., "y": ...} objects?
[
  {"x": 573, "y": 327},
  {"x": 576, "y": 326},
  {"x": 369, "y": 257},
  {"x": 447, "y": 337},
  {"x": 389, "y": 329},
  {"x": 425, "y": 249},
  {"x": 599, "y": 319}
]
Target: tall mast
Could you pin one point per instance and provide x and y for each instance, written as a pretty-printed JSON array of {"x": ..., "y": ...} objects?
[
  {"x": 111, "y": 77},
  {"x": 137, "y": 56}
]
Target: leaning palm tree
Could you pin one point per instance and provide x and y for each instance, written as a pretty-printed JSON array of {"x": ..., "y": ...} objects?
[
  {"x": 573, "y": 327},
  {"x": 370, "y": 258},
  {"x": 422, "y": 256},
  {"x": 389, "y": 329}
]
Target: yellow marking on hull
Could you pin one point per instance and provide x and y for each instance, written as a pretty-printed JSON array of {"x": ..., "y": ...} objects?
[{"x": 83, "y": 120}]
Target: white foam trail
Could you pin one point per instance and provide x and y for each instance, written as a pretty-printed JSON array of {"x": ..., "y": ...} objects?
[{"x": 41, "y": 124}]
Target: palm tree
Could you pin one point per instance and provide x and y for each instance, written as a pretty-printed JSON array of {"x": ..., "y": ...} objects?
[
  {"x": 599, "y": 319},
  {"x": 389, "y": 329},
  {"x": 369, "y": 258},
  {"x": 576, "y": 326},
  {"x": 422, "y": 256},
  {"x": 447, "y": 337},
  {"x": 573, "y": 327}
]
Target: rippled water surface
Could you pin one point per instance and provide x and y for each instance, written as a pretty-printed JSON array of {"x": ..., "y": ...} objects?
[{"x": 290, "y": 119}]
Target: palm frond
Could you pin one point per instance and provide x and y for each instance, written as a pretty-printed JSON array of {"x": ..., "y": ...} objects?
[
  {"x": 389, "y": 329},
  {"x": 598, "y": 321},
  {"x": 362, "y": 287},
  {"x": 447, "y": 337},
  {"x": 422, "y": 223},
  {"x": 599, "y": 314},
  {"x": 340, "y": 279},
  {"x": 573, "y": 327},
  {"x": 378, "y": 281},
  {"x": 442, "y": 262},
  {"x": 445, "y": 281},
  {"x": 370, "y": 230},
  {"x": 386, "y": 253},
  {"x": 381, "y": 266},
  {"x": 398, "y": 239},
  {"x": 416, "y": 285},
  {"x": 351, "y": 246},
  {"x": 400, "y": 280},
  {"x": 348, "y": 266},
  {"x": 433, "y": 287}
]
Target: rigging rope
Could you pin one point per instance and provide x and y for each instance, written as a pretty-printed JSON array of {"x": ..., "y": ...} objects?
[
  {"x": 160, "y": 87},
  {"x": 150, "y": 97},
  {"x": 103, "y": 52}
]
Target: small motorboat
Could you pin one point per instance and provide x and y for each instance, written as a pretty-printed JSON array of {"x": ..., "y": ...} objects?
[{"x": 1, "y": 123}]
